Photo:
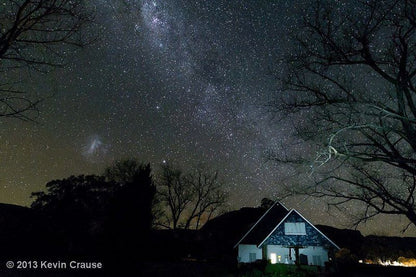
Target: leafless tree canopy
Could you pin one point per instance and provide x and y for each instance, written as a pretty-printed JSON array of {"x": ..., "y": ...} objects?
[
  {"x": 351, "y": 79},
  {"x": 35, "y": 34},
  {"x": 190, "y": 199}
]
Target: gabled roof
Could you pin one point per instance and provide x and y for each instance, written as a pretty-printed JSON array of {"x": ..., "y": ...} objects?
[
  {"x": 295, "y": 211},
  {"x": 269, "y": 222},
  {"x": 264, "y": 225}
]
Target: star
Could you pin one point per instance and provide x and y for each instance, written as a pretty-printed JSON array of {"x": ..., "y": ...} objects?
[{"x": 184, "y": 82}]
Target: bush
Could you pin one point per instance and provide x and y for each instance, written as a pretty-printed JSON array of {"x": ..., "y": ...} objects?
[{"x": 345, "y": 257}]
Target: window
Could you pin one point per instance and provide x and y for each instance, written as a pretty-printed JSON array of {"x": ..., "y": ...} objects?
[
  {"x": 252, "y": 257},
  {"x": 273, "y": 258},
  {"x": 295, "y": 228}
]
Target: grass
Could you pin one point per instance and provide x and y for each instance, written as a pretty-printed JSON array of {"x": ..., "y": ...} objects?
[{"x": 282, "y": 270}]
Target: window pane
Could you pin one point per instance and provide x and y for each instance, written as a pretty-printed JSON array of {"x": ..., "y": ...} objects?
[{"x": 295, "y": 228}]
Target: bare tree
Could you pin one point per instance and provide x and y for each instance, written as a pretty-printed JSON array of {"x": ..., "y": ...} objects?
[
  {"x": 175, "y": 194},
  {"x": 190, "y": 198},
  {"x": 208, "y": 196},
  {"x": 350, "y": 78},
  {"x": 35, "y": 34}
]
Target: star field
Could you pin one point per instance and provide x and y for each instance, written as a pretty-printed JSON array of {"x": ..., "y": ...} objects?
[{"x": 184, "y": 82}]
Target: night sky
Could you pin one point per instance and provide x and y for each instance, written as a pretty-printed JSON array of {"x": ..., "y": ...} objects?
[{"x": 181, "y": 82}]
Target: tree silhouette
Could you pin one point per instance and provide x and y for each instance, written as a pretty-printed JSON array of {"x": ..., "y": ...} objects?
[
  {"x": 132, "y": 204},
  {"x": 77, "y": 206},
  {"x": 350, "y": 77},
  {"x": 107, "y": 215},
  {"x": 190, "y": 198},
  {"x": 208, "y": 196},
  {"x": 130, "y": 213},
  {"x": 266, "y": 203},
  {"x": 124, "y": 171},
  {"x": 175, "y": 194},
  {"x": 35, "y": 34}
]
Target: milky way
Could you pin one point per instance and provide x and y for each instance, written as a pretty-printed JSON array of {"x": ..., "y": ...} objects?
[{"x": 183, "y": 82}]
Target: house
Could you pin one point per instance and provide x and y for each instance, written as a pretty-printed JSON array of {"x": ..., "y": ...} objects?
[{"x": 285, "y": 236}]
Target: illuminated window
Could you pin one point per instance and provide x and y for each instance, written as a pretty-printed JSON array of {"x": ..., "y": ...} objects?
[
  {"x": 273, "y": 258},
  {"x": 295, "y": 228}
]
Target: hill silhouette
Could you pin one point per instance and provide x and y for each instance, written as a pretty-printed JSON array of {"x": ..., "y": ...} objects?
[
  {"x": 25, "y": 233},
  {"x": 228, "y": 228}
]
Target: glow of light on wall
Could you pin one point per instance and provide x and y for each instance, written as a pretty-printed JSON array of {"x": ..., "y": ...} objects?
[{"x": 273, "y": 258}]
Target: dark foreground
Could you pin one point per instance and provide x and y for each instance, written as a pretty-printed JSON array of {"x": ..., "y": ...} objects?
[
  {"x": 208, "y": 269},
  {"x": 28, "y": 238}
]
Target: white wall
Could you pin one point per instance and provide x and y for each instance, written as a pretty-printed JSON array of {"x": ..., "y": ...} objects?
[
  {"x": 244, "y": 251},
  {"x": 282, "y": 252},
  {"x": 315, "y": 251},
  {"x": 321, "y": 255}
]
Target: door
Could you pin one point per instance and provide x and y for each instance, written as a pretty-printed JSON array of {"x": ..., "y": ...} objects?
[{"x": 303, "y": 259}]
